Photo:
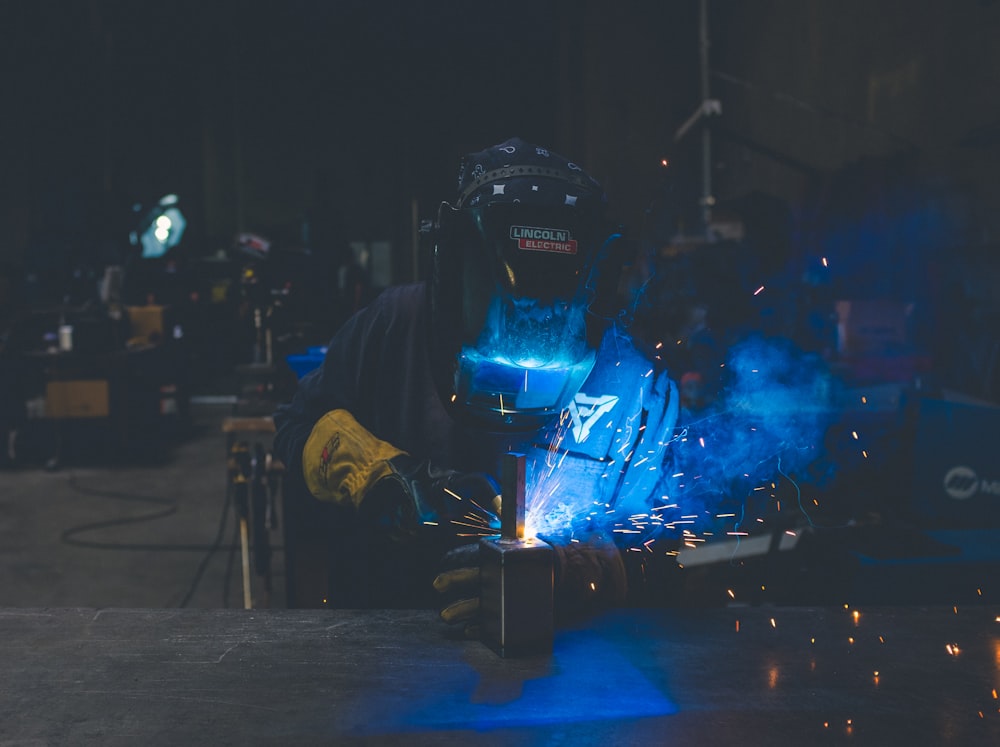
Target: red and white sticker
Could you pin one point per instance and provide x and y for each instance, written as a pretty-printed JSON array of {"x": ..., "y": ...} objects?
[{"x": 535, "y": 239}]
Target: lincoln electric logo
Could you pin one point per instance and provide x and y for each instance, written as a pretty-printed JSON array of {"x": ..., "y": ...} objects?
[
  {"x": 535, "y": 239},
  {"x": 961, "y": 483}
]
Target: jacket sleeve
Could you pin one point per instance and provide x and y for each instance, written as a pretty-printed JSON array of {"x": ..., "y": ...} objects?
[{"x": 338, "y": 384}]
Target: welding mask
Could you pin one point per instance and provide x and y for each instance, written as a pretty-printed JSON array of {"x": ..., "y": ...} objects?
[{"x": 516, "y": 282}]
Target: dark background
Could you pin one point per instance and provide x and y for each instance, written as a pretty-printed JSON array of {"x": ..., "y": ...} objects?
[{"x": 864, "y": 133}]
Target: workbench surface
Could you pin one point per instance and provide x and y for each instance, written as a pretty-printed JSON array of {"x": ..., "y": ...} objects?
[{"x": 747, "y": 676}]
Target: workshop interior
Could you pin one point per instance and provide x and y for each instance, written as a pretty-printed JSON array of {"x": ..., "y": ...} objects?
[{"x": 197, "y": 196}]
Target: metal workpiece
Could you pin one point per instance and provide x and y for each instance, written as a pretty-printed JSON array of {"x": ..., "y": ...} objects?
[{"x": 516, "y": 576}]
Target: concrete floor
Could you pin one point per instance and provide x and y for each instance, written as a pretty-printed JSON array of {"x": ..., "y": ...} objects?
[{"x": 143, "y": 536}]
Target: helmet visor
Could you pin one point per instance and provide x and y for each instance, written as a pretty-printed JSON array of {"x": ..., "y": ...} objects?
[{"x": 524, "y": 351}]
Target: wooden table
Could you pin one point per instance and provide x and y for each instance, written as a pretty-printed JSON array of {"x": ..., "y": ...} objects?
[{"x": 747, "y": 676}]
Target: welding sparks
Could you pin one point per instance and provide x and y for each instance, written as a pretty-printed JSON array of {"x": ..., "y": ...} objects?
[
  {"x": 759, "y": 291},
  {"x": 825, "y": 263},
  {"x": 952, "y": 649}
]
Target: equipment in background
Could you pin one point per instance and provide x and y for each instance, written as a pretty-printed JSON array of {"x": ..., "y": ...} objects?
[
  {"x": 160, "y": 228},
  {"x": 253, "y": 484},
  {"x": 956, "y": 472}
]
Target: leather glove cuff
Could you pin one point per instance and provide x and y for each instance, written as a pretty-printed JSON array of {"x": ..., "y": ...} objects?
[{"x": 342, "y": 461}]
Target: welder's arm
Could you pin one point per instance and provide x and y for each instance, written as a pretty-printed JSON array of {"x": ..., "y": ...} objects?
[
  {"x": 649, "y": 451},
  {"x": 393, "y": 491}
]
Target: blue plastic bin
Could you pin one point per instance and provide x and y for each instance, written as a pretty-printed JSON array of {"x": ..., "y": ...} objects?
[{"x": 303, "y": 363}]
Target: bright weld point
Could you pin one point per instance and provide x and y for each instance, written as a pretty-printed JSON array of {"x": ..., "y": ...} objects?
[{"x": 812, "y": 640}]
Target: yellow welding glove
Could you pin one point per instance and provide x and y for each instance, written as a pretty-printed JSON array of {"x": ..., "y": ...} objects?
[
  {"x": 393, "y": 492},
  {"x": 457, "y": 583},
  {"x": 341, "y": 460}
]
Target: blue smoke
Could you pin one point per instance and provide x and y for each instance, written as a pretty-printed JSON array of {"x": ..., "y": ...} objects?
[{"x": 766, "y": 426}]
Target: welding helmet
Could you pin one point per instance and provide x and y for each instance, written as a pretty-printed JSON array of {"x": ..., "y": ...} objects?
[{"x": 520, "y": 270}]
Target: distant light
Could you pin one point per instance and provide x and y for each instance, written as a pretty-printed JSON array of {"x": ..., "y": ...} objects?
[
  {"x": 164, "y": 222},
  {"x": 161, "y": 234}
]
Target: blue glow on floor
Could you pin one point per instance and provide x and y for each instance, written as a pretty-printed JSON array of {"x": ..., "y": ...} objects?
[{"x": 586, "y": 679}]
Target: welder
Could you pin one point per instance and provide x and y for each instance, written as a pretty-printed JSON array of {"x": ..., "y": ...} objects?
[{"x": 510, "y": 343}]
